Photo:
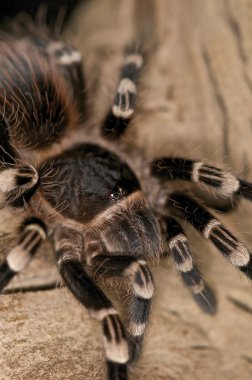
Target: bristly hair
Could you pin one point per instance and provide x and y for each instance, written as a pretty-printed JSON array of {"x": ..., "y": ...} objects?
[
  {"x": 34, "y": 98},
  {"x": 42, "y": 23}
]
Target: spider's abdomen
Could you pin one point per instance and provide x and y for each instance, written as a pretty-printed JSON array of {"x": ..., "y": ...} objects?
[
  {"x": 34, "y": 98},
  {"x": 86, "y": 180}
]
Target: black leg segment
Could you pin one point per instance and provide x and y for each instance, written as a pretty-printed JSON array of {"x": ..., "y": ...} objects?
[
  {"x": 224, "y": 184},
  {"x": 137, "y": 273},
  {"x": 118, "y": 119},
  {"x": 182, "y": 257},
  {"x": 213, "y": 230},
  {"x": 68, "y": 247},
  {"x": 31, "y": 234},
  {"x": 69, "y": 62}
]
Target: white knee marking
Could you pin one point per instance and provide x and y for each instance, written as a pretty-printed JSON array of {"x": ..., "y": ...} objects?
[
  {"x": 17, "y": 259},
  {"x": 136, "y": 59},
  {"x": 38, "y": 229},
  {"x": 229, "y": 186},
  {"x": 195, "y": 171},
  {"x": 126, "y": 85},
  {"x": 240, "y": 256},
  {"x": 137, "y": 329},
  {"x": 186, "y": 265},
  {"x": 116, "y": 352},
  {"x": 209, "y": 227},
  {"x": 145, "y": 291},
  {"x": 125, "y": 114},
  {"x": 126, "y": 88},
  {"x": 69, "y": 58},
  {"x": 8, "y": 180},
  {"x": 19, "y": 256}
]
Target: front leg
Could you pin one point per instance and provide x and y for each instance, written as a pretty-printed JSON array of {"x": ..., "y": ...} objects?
[
  {"x": 222, "y": 183},
  {"x": 68, "y": 246},
  {"x": 139, "y": 277},
  {"x": 31, "y": 234},
  {"x": 17, "y": 184},
  {"x": 69, "y": 62}
]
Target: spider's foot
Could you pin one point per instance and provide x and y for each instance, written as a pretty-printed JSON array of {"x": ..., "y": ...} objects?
[
  {"x": 206, "y": 300},
  {"x": 135, "y": 348},
  {"x": 202, "y": 294}
]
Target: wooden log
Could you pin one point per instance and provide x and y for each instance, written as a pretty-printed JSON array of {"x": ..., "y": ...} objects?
[{"x": 195, "y": 101}]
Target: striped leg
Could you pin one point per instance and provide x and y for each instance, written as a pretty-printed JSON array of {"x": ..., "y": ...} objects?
[
  {"x": 31, "y": 234},
  {"x": 69, "y": 61},
  {"x": 137, "y": 273},
  {"x": 181, "y": 254},
  {"x": 17, "y": 184},
  {"x": 213, "y": 230},
  {"x": 124, "y": 105},
  {"x": 222, "y": 183},
  {"x": 68, "y": 247}
]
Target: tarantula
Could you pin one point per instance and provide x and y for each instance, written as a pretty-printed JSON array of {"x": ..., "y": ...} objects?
[{"x": 106, "y": 209}]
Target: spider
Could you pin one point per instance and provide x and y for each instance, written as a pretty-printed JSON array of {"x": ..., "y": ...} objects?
[{"x": 106, "y": 209}]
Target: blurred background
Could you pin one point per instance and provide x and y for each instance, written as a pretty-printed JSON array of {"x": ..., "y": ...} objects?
[{"x": 13, "y": 7}]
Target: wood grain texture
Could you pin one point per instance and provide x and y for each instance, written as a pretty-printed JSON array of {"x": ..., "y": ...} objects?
[{"x": 195, "y": 101}]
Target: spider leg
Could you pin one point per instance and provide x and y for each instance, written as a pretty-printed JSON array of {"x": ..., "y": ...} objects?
[
  {"x": 119, "y": 117},
  {"x": 31, "y": 234},
  {"x": 224, "y": 184},
  {"x": 182, "y": 257},
  {"x": 17, "y": 184},
  {"x": 138, "y": 275},
  {"x": 69, "y": 62},
  {"x": 68, "y": 247},
  {"x": 213, "y": 230}
]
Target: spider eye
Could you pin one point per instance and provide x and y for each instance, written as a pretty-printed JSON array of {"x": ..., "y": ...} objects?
[{"x": 117, "y": 194}]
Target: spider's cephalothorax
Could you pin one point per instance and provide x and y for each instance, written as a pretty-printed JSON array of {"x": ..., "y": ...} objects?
[
  {"x": 91, "y": 198},
  {"x": 101, "y": 192}
]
